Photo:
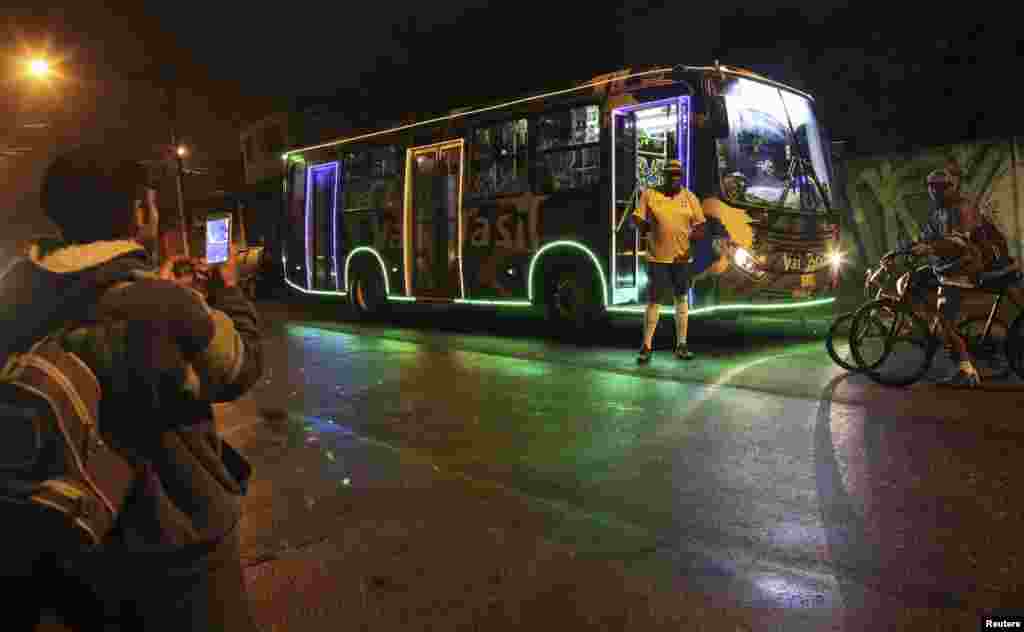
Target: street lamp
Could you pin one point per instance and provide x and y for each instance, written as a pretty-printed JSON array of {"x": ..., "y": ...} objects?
[
  {"x": 182, "y": 151},
  {"x": 39, "y": 68}
]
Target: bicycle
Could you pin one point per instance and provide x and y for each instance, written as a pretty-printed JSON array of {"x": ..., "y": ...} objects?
[
  {"x": 875, "y": 282},
  {"x": 994, "y": 354}
]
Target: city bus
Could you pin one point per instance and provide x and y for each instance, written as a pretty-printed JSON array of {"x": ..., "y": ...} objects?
[{"x": 523, "y": 203}]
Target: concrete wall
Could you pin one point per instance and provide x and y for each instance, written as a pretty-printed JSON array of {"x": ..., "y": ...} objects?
[{"x": 888, "y": 199}]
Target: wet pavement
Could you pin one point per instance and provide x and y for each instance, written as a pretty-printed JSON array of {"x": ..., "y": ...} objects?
[{"x": 426, "y": 473}]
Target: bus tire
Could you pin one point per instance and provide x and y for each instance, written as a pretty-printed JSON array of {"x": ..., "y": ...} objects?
[
  {"x": 573, "y": 300},
  {"x": 367, "y": 296}
]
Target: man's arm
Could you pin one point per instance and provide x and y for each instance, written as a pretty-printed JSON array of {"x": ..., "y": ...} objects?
[
  {"x": 233, "y": 361},
  {"x": 219, "y": 339},
  {"x": 229, "y": 360},
  {"x": 641, "y": 216}
]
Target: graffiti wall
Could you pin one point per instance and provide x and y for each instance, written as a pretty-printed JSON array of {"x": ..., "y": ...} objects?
[{"x": 888, "y": 201}]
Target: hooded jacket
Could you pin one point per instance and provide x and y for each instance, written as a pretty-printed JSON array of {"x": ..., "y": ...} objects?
[{"x": 163, "y": 354}]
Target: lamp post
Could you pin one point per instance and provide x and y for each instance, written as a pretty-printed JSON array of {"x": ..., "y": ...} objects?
[{"x": 180, "y": 151}]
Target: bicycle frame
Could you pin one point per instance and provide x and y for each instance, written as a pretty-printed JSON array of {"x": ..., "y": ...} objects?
[
  {"x": 1001, "y": 293},
  {"x": 905, "y": 308}
]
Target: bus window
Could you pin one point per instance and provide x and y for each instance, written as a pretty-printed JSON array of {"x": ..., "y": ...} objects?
[
  {"x": 657, "y": 141},
  {"x": 499, "y": 159},
  {"x": 568, "y": 145},
  {"x": 373, "y": 179},
  {"x": 373, "y": 195},
  {"x": 385, "y": 178},
  {"x": 357, "y": 181},
  {"x": 776, "y": 145}
]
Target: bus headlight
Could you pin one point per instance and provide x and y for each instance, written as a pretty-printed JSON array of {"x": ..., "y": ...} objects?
[
  {"x": 836, "y": 259},
  {"x": 745, "y": 261}
]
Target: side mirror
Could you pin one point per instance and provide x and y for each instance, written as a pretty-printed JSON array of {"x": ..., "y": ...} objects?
[{"x": 718, "y": 117}]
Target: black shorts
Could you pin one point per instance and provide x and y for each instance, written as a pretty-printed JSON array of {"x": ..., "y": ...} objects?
[{"x": 665, "y": 277}]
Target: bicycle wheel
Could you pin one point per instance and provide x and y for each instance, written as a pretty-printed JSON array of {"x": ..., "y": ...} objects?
[
  {"x": 840, "y": 330},
  {"x": 892, "y": 343},
  {"x": 989, "y": 355},
  {"x": 1014, "y": 348},
  {"x": 871, "y": 329}
]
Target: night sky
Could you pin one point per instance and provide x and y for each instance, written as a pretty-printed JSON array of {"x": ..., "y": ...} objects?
[{"x": 885, "y": 79}]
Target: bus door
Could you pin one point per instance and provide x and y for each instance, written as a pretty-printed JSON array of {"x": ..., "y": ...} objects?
[
  {"x": 321, "y": 215},
  {"x": 625, "y": 237},
  {"x": 433, "y": 217},
  {"x": 644, "y": 138}
]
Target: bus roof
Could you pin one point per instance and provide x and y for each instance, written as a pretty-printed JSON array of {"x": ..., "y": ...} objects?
[{"x": 601, "y": 80}]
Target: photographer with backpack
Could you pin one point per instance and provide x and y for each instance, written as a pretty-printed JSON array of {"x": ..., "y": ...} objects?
[{"x": 118, "y": 483}]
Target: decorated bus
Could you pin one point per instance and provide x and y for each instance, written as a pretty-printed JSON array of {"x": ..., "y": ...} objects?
[{"x": 523, "y": 203}]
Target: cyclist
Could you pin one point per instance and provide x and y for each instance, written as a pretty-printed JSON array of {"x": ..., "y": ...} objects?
[{"x": 954, "y": 257}]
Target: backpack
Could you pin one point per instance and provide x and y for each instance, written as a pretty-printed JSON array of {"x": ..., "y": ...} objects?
[
  {"x": 62, "y": 487},
  {"x": 992, "y": 243}
]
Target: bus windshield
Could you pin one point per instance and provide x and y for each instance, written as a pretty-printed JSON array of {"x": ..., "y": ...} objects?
[{"x": 775, "y": 143}]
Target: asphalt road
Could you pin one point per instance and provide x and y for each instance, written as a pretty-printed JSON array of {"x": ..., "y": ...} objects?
[{"x": 758, "y": 487}]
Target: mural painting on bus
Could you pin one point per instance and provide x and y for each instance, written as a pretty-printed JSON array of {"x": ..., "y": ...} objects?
[{"x": 499, "y": 238}]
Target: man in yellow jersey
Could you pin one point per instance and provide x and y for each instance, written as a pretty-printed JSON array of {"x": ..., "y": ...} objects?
[{"x": 673, "y": 217}]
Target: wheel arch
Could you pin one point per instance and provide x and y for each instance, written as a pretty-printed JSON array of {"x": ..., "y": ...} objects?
[
  {"x": 560, "y": 250},
  {"x": 365, "y": 256}
]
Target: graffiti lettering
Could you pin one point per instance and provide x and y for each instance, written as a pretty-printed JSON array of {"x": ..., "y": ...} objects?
[
  {"x": 481, "y": 235},
  {"x": 505, "y": 239},
  {"x": 512, "y": 225},
  {"x": 796, "y": 262},
  {"x": 509, "y": 230}
]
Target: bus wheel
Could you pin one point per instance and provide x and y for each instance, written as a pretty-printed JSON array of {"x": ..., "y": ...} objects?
[
  {"x": 573, "y": 301},
  {"x": 366, "y": 294}
]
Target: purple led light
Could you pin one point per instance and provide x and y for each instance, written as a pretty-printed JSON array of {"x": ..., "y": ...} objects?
[
  {"x": 309, "y": 206},
  {"x": 334, "y": 226},
  {"x": 683, "y": 113},
  {"x": 683, "y": 103},
  {"x": 310, "y": 194}
]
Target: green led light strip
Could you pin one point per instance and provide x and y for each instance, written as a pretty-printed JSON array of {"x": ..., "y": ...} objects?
[
  {"x": 404, "y": 299},
  {"x": 321, "y": 292},
  {"x": 569, "y": 244},
  {"x": 495, "y": 303},
  {"x": 754, "y": 307},
  {"x": 586, "y": 86},
  {"x": 380, "y": 259}
]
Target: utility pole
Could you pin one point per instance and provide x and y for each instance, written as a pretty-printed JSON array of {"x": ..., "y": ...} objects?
[{"x": 171, "y": 92}]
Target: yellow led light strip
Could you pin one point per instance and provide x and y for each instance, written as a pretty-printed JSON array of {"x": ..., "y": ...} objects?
[
  {"x": 725, "y": 69},
  {"x": 493, "y": 302},
  {"x": 478, "y": 111}
]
